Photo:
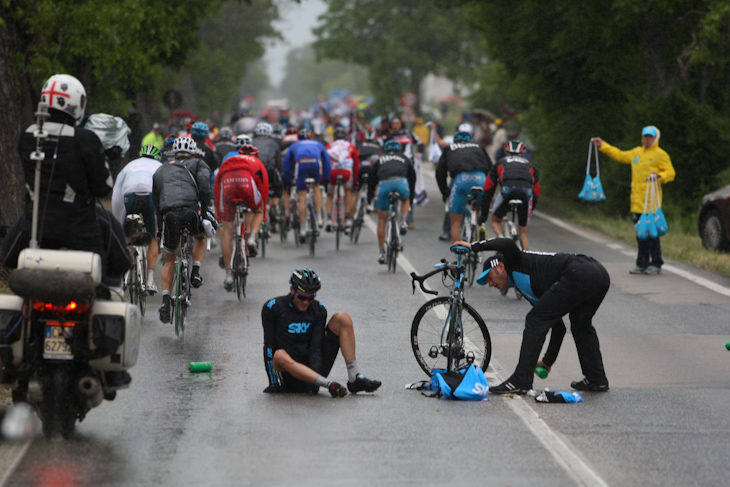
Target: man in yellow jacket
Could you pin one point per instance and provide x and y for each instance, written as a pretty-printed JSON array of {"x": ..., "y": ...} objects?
[{"x": 648, "y": 163}]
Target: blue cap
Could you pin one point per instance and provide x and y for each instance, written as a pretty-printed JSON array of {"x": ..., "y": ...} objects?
[
  {"x": 649, "y": 130},
  {"x": 489, "y": 264}
]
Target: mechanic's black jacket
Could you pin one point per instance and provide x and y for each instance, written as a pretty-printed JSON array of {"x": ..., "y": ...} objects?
[
  {"x": 393, "y": 165},
  {"x": 299, "y": 333},
  {"x": 73, "y": 173},
  {"x": 512, "y": 171},
  {"x": 460, "y": 157}
]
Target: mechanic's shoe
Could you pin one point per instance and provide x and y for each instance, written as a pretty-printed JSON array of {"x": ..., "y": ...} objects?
[
  {"x": 638, "y": 270},
  {"x": 253, "y": 245},
  {"x": 228, "y": 283},
  {"x": 151, "y": 288},
  {"x": 653, "y": 270},
  {"x": 221, "y": 264},
  {"x": 165, "y": 309},
  {"x": 336, "y": 390},
  {"x": 403, "y": 227},
  {"x": 585, "y": 385},
  {"x": 509, "y": 387},
  {"x": 363, "y": 384},
  {"x": 195, "y": 278},
  {"x": 381, "y": 259}
]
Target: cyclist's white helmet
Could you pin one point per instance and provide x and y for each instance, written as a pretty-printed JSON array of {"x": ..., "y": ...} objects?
[
  {"x": 243, "y": 139},
  {"x": 263, "y": 129},
  {"x": 65, "y": 93},
  {"x": 184, "y": 144}
]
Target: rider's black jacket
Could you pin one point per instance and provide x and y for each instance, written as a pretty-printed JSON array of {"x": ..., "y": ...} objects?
[
  {"x": 299, "y": 333},
  {"x": 512, "y": 171},
  {"x": 460, "y": 157},
  {"x": 208, "y": 156},
  {"x": 391, "y": 165},
  {"x": 73, "y": 173},
  {"x": 269, "y": 153}
]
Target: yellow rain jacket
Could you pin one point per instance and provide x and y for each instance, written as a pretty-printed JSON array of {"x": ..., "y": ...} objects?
[{"x": 643, "y": 163}]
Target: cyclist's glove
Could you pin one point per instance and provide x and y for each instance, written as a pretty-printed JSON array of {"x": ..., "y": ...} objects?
[
  {"x": 274, "y": 389},
  {"x": 210, "y": 216}
]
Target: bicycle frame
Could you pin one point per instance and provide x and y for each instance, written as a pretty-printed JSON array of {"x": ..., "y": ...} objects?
[
  {"x": 240, "y": 248},
  {"x": 338, "y": 210},
  {"x": 392, "y": 232}
]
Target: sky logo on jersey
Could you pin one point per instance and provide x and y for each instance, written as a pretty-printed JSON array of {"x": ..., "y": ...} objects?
[
  {"x": 299, "y": 327},
  {"x": 271, "y": 303}
]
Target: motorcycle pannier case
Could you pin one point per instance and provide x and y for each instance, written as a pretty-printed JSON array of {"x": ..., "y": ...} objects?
[
  {"x": 115, "y": 329},
  {"x": 11, "y": 321}
]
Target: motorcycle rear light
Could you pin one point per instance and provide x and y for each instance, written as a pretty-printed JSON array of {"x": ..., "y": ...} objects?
[{"x": 72, "y": 307}]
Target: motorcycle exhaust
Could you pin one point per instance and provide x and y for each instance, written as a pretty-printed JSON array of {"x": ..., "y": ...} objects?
[
  {"x": 90, "y": 388},
  {"x": 35, "y": 392}
]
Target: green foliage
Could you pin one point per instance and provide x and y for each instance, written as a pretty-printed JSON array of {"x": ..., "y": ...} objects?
[
  {"x": 399, "y": 41},
  {"x": 306, "y": 78}
]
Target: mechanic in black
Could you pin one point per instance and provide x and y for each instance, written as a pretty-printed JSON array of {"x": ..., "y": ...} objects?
[
  {"x": 300, "y": 347},
  {"x": 555, "y": 284},
  {"x": 270, "y": 155},
  {"x": 519, "y": 180},
  {"x": 74, "y": 172},
  {"x": 468, "y": 164},
  {"x": 369, "y": 151}
]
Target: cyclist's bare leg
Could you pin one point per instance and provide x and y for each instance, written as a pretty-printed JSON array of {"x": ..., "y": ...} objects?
[
  {"x": 497, "y": 225},
  {"x": 302, "y": 207},
  {"x": 523, "y": 234},
  {"x": 330, "y": 200},
  {"x": 168, "y": 270},
  {"x": 199, "y": 248},
  {"x": 405, "y": 207},
  {"x": 341, "y": 325},
  {"x": 226, "y": 234},
  {"x": 382, "y": 218},
  {"x": 286, "y": 197},
  {"x": 318, "y": 198},
  {"x": 456, "y": 219},
  {"x": 284, "y": 363},
  {"x": 153, "y": 251},
  {"x": 254, "y": 220},
  {"x": 350, "y": 201}
]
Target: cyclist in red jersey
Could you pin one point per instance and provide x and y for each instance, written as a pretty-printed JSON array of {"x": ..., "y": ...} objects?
[
  {"x": 345, "y": 162},
  {"x": 241, "y": 177}
]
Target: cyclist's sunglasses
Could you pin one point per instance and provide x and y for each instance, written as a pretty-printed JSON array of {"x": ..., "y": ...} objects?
[{"x": 304, "y": 297}]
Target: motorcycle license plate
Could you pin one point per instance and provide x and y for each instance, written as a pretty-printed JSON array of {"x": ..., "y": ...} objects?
[{"x": 55, "y": 345}]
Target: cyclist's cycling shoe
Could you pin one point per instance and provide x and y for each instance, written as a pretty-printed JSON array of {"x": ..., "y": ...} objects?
[
  {"x": 195, "y": 279},
  {"x": 336, "y": 390},
  {"x": 253, "y": 248},
  {"x": 509, "y": 387},
  {"x": 165, "y": 309},
  {"x": 302, "y": 239},
  {"x": 586, "y": 385},
  {"x": 363, "y": 384},
  {"x": 328, "y": 228},
  {"x": 228, "y": 283},
  {"x": 151, "y": 288},
  {"x": 403, "y": 228},
  {"x": 381, "y": 259},
  {"x": 221, "y": 264}
]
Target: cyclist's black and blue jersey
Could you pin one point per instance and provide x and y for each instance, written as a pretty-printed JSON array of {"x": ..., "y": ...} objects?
[{"x": 299, "y": 333}]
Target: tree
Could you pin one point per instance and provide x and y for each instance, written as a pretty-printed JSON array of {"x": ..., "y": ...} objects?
[{"x": 399, "y": 41}]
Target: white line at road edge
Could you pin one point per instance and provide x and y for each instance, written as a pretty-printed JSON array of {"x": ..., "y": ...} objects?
[
  {"x": 11, "y": 455},
  {"x": 682, "y": 273},
  {"x": 564, "y": 455}
]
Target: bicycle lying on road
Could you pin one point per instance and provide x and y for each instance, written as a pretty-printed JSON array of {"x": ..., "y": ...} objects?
[{"x": 447, "y": 333}]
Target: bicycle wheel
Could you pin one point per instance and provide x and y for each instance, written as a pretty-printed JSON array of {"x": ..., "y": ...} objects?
[
  {"x": 178, "y": 301},
  {"x": 472, "y": 260},
  {"x": 357, "y": 221},
  {"x": 133, "y": 283},
  {"x": 392, "y": 245},
  {"x": 338, "y": 218},
  {"x": 429, "y": 337},
  {"x": 142, "y": 297},
  {"x": 264, "y": 238},
  {"x": 312, "y": 232},
  {"x": 239, "y": 281}
]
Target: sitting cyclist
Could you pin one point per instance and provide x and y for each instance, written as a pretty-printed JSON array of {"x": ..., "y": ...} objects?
[
  {"x": 307, "y": 158},
  {"x": 519, "y": 180},
  {"x": 393, "y": 172},
  {"x": 468, "y": 164},
  {"x": 300, "y": 346},
  {"x": 132, "y": 195},
  {"x": 242, "y": 177},
  {"x": 178, "y": 188},
  {"x": 346, "y": 163}
]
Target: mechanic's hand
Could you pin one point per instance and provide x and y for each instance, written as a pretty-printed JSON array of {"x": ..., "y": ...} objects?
[
  {"x": 274, "y": 389},
  {"x": 653, "y": 177}
]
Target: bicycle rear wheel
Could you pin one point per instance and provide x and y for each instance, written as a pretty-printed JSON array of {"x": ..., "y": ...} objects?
[
  {"x": 264, "y": 238},
  {"x": 357, "y": 221},
  {"x": 239, "y": 275},
  {"x": 472, "y": 260},
  {"x": 312, "y": 232},
  {"x": 180, "y": 296},
  {"x": 430, "y": 340},
  {"x": 142, "y": 297},
  {"x": 393, "y": 245}
]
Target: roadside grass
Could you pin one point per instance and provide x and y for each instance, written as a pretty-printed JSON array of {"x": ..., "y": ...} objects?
[{"x": 682, "y": 243}]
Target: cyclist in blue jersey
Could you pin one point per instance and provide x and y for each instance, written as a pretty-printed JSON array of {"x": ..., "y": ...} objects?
[
  {"x": 556, "y": 284},
  {"x": 307, "y": 158},
  {"x": 300, "y": 346}
]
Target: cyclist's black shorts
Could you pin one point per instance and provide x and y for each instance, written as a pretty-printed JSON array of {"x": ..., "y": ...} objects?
[
  {"x": 173, "y": 224},
  {"x": 275, "y": 182},
  {"x": 330, "y": 348},
  {"x": 143, "y": 205},
  {"x": 523, "y": 210}
]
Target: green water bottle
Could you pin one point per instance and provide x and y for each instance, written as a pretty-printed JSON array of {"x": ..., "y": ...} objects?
[
  {"x": 541, "y": 372},
  {"x": 727, "y": 345},
  {"x": 200, "y": 366}
]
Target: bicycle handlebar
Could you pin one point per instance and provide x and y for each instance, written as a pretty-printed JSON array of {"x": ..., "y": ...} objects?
[{"x": 444, "y": 267}]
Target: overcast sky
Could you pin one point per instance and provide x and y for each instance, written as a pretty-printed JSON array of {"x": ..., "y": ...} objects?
[{"x": 297, "y": 20}]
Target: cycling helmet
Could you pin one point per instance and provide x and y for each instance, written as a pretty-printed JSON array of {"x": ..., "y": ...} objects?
[
  {"x": 249, "y": 150},
  {"x": 226, "y": 134},
  {"x": 514, "y": 147},
  {"x": 263, "y": 129},
  {"x": 242, "y": 140},
  {"x": 65, "y": 93},
  {"x": 305, "y": 280},
  {"x": 169, "y": 140},
  {"x": 462, "y": 137},
  {"x": 339, "y": 133},
  {"x": 392, "y": 146},
  {"x": 304, "y": 134},
  {"x": 185, "y": 145},
  {"x": 150, "y": 151},
  {"x": 199, "y": 129},
  {"x": 292, "y": 130}
]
